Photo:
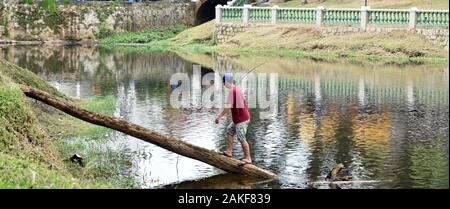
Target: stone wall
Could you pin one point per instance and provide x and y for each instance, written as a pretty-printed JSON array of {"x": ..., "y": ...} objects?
[
  {"x": 225, "y": 31},
  {"x": 89, "y": 21},
  {"x": 438, "y": 36}
]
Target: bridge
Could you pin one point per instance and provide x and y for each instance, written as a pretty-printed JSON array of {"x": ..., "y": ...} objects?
[{"x": 206, "y": 8}]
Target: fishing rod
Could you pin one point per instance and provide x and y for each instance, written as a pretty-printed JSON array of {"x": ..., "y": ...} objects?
[{"x": 251, "y": 70}]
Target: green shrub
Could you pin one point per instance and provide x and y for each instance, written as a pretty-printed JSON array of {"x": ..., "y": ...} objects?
[
  {"x": 104, "y": 32},
  {"x": 49, "y": 5},
  {"x": 146, "y": 36}
]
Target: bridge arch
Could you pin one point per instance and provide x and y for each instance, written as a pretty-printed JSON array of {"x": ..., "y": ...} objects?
[{"x": 207, "y": 10}]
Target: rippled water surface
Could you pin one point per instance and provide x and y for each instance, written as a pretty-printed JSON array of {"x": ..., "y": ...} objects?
[{"x": 388, "y": 124}]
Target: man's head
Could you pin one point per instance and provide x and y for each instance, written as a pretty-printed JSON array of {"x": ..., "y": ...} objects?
[{"x": 227, "y": 80}]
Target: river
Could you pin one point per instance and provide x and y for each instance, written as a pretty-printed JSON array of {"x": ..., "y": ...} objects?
[{"x": 388, "y": 124}]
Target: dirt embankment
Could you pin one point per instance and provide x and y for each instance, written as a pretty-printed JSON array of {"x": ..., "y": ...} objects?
[{"x": 308, "y": 39}]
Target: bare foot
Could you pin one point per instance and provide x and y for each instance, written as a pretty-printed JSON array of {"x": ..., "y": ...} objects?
[
  {"x": 225, "y": 153},
  {"x": 244, "y": 162}
]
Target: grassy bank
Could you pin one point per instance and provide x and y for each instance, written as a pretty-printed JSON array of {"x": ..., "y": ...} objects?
[
  {"x": 28, "y": 159},
  {"x": 294, "y": 41},
  {"x": 397, "y": 46},
  {"x": 307, "y": 41},
  {"x": 104, "y": 161},
  {"x": 36, "y": 141}
]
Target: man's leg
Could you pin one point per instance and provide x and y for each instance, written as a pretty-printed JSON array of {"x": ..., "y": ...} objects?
[
  {"x": 241, "y": 132},
  {"x": 231, "y": 131},
  {"x": 229, "y": 150},
  {"x": 246, "y": 149}
]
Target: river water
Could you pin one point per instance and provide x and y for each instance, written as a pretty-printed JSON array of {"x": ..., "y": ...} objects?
[{"x": 388, "y": 124}]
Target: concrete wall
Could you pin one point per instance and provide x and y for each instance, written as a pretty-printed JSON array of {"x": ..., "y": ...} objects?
[
  {"x": 438, "y": 36},
  {"x": 84, "y": 22}
]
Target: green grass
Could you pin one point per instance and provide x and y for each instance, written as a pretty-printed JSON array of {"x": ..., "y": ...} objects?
[
  {"x": 36, "y": 141},
  {"x": 86, "y": 131},
  {"x": 59, "y": 125},
  {"x": 18, "y": 173},
  {"x": 349, "y": 56},
  {"x": 145, "y": 36},
  {"x": 23, "y": 76},
  {"x": 104, "y": 105},
  {"x": 11, "y": 104},
  {"x": 28, "y": 159},
  {"x": 198, "y": 34},
  {"x": 20, "y": 135},
  {"x": 156, "y": 46},
  {"x": 12, "y": 117},
  {"x": 102, "y": 163}
]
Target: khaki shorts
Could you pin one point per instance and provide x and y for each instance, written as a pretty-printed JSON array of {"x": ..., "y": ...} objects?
[{"x": 238, "y": 130}]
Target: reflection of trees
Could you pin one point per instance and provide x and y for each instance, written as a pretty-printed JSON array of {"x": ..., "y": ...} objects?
[
  {"x": 344, "y": 138},
  {"x": 293, "y": 154},
  {"x": 429, "y": 165},
  {"x": 372, "y": 134},
  {"x": 336, "y": 131},
  {"x": 291, "y": 113},
  {"x": 310, "y": 133},
  {"x": 426, "y": 147}
]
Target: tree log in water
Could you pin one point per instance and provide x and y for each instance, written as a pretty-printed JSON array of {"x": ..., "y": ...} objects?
[
  {"x": 167, "y": 142},
  {"x": 332, "y": 175}
]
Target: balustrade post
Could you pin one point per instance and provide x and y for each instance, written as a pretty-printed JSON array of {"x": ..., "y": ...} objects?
[
  {"x": 246, "y": 13},
  {"x": 218, "y": 13},
  {"x": 319, "y": 16},
  {"x": 274, "y": 14},
  {"x": 364, "y": 17},
  {"x": 413, "y": 18}
]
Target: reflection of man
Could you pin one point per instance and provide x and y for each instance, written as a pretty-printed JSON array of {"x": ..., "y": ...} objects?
[
  {"x": 173, "y": 85},
  {"x": 241, "y": 117}
]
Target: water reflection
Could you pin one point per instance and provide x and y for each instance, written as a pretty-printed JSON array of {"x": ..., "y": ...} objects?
[{"x": 387, "y": 124}]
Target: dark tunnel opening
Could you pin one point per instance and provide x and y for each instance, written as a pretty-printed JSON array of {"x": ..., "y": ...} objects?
[{"x": 207, "y": 10}]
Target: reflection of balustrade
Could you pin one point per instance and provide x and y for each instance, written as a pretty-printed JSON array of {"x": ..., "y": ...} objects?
[{"x": 362, "y": 91}]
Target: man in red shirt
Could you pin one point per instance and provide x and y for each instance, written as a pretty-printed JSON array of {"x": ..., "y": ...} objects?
[{"x": 241, "y": 117}]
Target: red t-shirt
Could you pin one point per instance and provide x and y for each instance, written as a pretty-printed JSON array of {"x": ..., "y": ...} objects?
[{"x": 239, "y": 109}]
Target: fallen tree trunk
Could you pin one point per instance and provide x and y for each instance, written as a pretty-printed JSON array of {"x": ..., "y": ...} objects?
[{"x": 167, "y": 142}]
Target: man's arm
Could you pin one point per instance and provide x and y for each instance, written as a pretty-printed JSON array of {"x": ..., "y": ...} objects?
[
  {"x": 226, "y": 107},
  {"x": 221, "y": 114}
]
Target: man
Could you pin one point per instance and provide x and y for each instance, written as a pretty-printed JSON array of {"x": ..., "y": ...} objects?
[{"x": 241, "y": 117}]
